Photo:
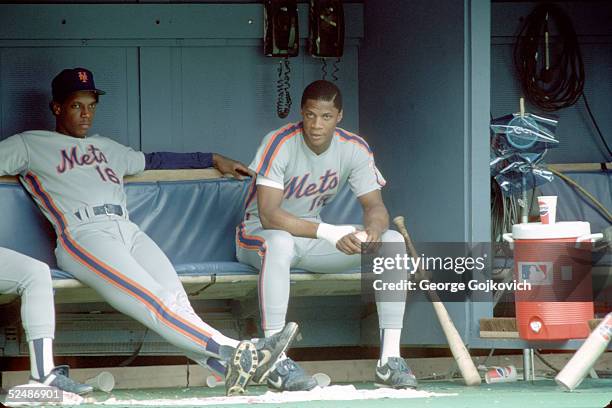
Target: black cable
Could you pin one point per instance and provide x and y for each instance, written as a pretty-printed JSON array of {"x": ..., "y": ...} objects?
[
  {"x": 336, "y": 70},
  {"x": 323, "y": 69},
  {"x": 135, "y": 353},
  {"x": 586, "y": 103},
  {"x": 556, "y": 82},
  {"x": 188, "y": 372},
  {"x": 334, "y": 73},
  {"x": 550, "y": 83},
  {"x": 546, "y": 363},
  {"x": 533, "y": 193},
  {"x": 283, "y": 103}
]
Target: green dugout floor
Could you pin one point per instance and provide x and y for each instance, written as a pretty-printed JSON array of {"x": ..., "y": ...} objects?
[{"x": 593, "y": 393}]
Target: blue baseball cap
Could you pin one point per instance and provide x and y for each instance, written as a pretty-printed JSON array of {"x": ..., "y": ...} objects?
[{"x": 73, "y": 80}]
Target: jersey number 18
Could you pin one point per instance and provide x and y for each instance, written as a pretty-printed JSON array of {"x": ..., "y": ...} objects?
[{"x": 107, "y": 174}]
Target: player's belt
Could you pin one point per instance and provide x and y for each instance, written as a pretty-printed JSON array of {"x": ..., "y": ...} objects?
[{"x": 106, "y": 209}]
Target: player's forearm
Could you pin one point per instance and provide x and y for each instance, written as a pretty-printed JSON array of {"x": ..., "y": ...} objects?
[
  {"x": 282, "y": 220},
  {"x": 376, "y": 217}
]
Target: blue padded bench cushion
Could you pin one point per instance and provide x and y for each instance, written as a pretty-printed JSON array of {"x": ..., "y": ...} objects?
[
  {"x": 195, "y": 221},
  {"x": 205, "y": 269},
  {"x": 192, "y": 221}
]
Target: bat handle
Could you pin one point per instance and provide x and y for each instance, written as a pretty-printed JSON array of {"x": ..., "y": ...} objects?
[{"x": 401, "y": 226}]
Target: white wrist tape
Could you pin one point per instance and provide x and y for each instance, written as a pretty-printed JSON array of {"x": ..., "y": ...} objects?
[{"x": 333, "y": 233}]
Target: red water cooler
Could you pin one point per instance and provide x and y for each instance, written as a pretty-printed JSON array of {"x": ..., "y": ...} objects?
[{"x": 555, "y": 259}]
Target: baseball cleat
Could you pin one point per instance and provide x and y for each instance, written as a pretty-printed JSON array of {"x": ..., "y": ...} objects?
[
  {"x": 240, "y": 368},
  {"x": 395, "y": 374},
  {"x": 56, "y": 378},
  {"x": 269, "y": 350},
  {"x": 288, "y": 376}
]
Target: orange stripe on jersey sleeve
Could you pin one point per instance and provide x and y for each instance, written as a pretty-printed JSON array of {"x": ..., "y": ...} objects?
[
  {"x": 278, "y": 147},
  {"x": 273, "y": 145},
  {"x": 271, "y": 142}
]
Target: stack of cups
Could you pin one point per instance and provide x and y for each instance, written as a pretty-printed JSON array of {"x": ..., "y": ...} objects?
[{"x": 548, "y": 209}]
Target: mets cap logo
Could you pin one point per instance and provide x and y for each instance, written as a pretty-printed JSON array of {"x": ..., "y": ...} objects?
[{"x": 83, "y": 77}]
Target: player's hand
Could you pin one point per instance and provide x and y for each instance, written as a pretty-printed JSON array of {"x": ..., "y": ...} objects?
[
  {"x": 349, "y": 244},
  {"x": 233, "y": 167},
  {"x": 373, "y": 240}
]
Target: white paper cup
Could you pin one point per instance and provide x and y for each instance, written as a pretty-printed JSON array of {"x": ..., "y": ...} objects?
[
  {"x": 548, "y": 209},
  {"x": 322, "y": 379},
  {"x": 104, "y": 381}
]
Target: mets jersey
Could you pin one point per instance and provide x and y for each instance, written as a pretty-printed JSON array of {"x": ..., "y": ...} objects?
[
  {"x": 65, "y": 173},
  {"x": 311, "y": 181}
]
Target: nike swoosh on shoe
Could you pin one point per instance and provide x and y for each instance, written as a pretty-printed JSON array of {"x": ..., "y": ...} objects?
[
  {"x": 384, "y": 376},
  {"x": 278, "y": 383}
]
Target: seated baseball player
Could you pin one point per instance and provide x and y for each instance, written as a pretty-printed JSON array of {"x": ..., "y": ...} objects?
[
  {"x": 77, "y": 182},
  {"x": 31, "y": 279},
  {"x": 300, "y": 168}
]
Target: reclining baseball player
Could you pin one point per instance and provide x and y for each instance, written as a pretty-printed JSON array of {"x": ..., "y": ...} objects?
[{"x": 77, "y": 182}]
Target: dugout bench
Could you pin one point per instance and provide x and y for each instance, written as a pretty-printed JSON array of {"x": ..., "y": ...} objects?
[{"x": 192, "y": 216}]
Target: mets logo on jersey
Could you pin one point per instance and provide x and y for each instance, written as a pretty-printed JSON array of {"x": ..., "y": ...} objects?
[
  {"x": 299, "y": 186},
  {"x": 71, "y": 158},
  {"x": 93, "y": 158}
]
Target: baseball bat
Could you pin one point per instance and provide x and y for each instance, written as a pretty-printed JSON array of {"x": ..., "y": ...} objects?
[
  {"x": 460, "y": 353},
  {"x": 594, "y": 346}
]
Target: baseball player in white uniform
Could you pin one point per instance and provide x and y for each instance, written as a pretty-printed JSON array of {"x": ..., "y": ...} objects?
[
  {"x": 300, "y": 168},
  {"x": 77, "y": 182},
  {"x": 31, "y": 279}
]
